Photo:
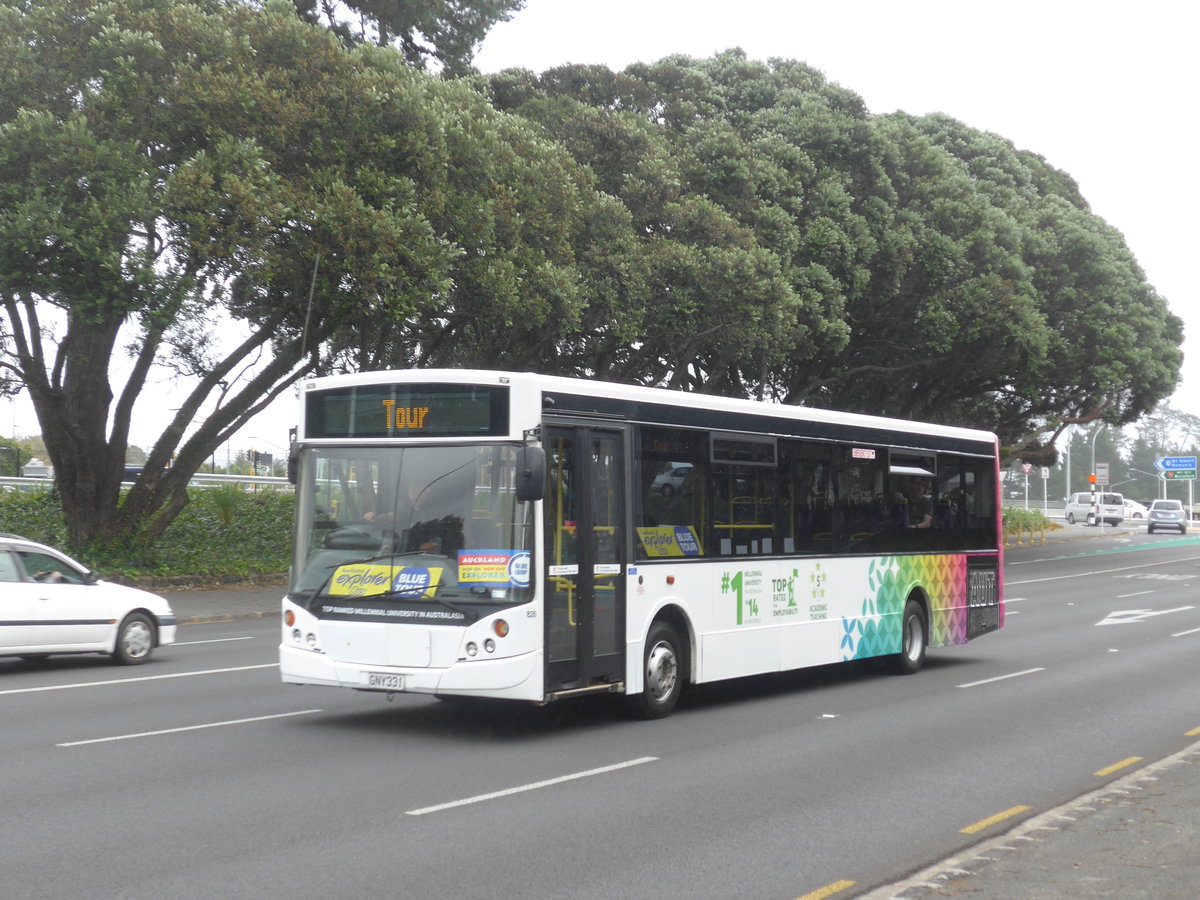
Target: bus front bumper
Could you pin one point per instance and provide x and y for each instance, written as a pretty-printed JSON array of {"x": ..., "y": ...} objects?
[{"x": 511, "y": 678}]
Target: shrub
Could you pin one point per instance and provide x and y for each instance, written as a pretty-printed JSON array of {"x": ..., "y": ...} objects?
[{"x": 224, "y": 531}]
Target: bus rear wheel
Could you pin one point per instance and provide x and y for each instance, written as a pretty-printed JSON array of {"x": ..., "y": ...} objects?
[
  {"x": 914, "y": 640},
  {"x": 662, "y": 671}
]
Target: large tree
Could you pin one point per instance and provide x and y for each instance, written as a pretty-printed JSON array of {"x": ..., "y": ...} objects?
[
  {"x": 445, "y": 33},
  {"x": 927, "y": 270},
  {"x": 220, "y": 189}
]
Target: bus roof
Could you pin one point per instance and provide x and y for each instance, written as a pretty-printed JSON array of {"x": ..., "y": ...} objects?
[{"x": 561, "y": 388}]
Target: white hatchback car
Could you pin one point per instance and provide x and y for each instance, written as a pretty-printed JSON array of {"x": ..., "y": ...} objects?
[
  {"x": 1135, "y": 510},
  {"x": 49, "y": 603}
]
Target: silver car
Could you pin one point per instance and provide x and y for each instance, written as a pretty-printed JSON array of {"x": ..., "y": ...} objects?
[
  {"x": 51, "y": 604},
  {"x": 1166, "y": 514}
]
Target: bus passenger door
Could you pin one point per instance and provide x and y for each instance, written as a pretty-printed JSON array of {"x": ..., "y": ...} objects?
[{"x": 585, "y": 540}]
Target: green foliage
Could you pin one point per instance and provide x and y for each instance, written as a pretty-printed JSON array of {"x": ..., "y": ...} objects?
[
  {"x": 227, "y": 499},
  {"x": 446, "y": 32},
  {"x": 168, "y": 167},
  {"x": 1019, "y": 522},
  {"x": 215, "y": 537},
  {"x": 34, "y": 514},
  {"x": 790, "y": 244},
  {"x": 220, "y": 532}
]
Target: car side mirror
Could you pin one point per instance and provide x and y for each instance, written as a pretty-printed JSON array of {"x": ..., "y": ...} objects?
[{"x": 531, "y": 474}]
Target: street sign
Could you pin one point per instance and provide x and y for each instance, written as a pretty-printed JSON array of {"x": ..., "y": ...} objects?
[
  {"x": 1175, "y": 463},
  {"x": 1102, "y": 474},
  {"x": 1179, "y": 474}
]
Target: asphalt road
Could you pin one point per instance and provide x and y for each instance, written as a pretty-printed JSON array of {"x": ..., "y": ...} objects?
[{"x": 199, "y": 774}]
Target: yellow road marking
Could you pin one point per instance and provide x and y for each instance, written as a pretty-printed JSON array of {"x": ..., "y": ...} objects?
[
  {"x": 999, "y": 817},
  {"x": 1195, "y": 732},
  {"x": 1117, "y": 767},
  {"x": 828, "y": 891}
]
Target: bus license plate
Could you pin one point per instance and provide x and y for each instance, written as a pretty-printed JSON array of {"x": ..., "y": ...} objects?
[{"x": 386, "y": 680}]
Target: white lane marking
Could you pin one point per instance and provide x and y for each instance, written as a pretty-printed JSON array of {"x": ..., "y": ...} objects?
[
  {"x": 508, "y": 792},
  {"x": 88, "y": 684},
  {"x": 142, "y": 734},
  {"x": 1186, "y": 633},
  {"x": 1001, "y": 678},
  {"x": 1127, "y": 616},
  {"x": 1138, "y": 594},
  {"x": 247, "y": 637},
  {"x": 1157, "y": 565}
]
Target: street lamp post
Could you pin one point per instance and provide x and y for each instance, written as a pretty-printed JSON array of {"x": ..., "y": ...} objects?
[{"x": 1156, "y": 476}]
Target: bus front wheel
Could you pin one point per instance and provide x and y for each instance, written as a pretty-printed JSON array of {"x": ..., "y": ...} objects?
[
  {"x": 914, "y": 640},
  {"x": 663, "y": 672}
]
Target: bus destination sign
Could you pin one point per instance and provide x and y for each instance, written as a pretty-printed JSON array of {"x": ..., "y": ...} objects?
[{"x": 406, "y": 410}]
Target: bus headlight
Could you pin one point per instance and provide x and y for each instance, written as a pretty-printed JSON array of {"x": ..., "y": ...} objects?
[
  {"x": 489, "y": 645},
  {"x": 472, "y": 649}
]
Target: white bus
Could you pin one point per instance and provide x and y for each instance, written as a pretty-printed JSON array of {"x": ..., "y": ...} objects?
[{"x": 509, "y": 535}]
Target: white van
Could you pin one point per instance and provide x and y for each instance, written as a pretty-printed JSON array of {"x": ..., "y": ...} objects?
[{"x": 1082, "y": 507}]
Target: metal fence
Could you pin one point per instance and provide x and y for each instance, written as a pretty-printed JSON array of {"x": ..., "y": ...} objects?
[{"x": 9, "y": 483}]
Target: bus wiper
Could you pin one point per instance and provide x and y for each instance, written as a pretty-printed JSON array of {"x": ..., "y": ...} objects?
[{"x": 469, "y": 615}]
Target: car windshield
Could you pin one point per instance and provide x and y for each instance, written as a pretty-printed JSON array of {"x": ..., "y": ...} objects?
[
  {"x": 412, "y": 525},
  {"x": 1173, "y": 505}
]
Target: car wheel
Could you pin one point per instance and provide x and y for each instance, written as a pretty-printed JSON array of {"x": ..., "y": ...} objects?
[
  {"x": 1071, "y": 518},
  {"x": 1149, "y": 529},
  {"x": 667, "y": 490},
  {"x": 663, "y": 671},
  {"x": 135, "y": 640}
]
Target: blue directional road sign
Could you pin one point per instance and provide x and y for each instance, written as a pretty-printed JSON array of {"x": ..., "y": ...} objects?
[
  {"x": 1181, "y": 468},
  {"x": 1167, "y": 463}
]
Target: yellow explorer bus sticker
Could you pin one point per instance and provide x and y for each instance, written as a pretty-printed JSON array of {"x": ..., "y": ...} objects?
[
  {"x": 670, "y": 540},
  {"x": 360, "y": 579}
]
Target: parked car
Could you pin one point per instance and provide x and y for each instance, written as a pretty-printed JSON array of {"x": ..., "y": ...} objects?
[
  {"x": 50, "y": 604},
  {"x": 1084, "y": 505},
  {"x": 1167, "y": 514},
  {"x": 1134, "y": 510}
]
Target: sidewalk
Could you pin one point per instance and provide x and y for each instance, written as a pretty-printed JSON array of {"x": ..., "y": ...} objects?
[
  {"x": 249, "y": 601},
  {"x": 1135, "y": 837}
]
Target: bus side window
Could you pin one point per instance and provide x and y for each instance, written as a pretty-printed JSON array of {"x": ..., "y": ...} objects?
[
  {"x": 806, "y": 497},
  {"x": 673, "y": 501}
]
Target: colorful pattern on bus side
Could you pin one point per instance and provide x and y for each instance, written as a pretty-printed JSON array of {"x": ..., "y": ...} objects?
[{"x": 877, "y": 631}]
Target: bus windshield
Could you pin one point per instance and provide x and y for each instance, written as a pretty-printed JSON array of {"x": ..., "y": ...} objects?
[{"x": 411, "y": 526}]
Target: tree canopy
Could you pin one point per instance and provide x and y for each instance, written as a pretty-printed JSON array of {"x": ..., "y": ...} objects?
[
  {"x": 904, "y": 264},
  {"x": 227, "y": 189},
  {"x": 444, "y": 32}
]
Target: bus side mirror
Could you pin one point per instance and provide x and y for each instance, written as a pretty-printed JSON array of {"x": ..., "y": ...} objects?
[
  {"x": 531, "y": 474},
  {"x": 293, "y": 463}
]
